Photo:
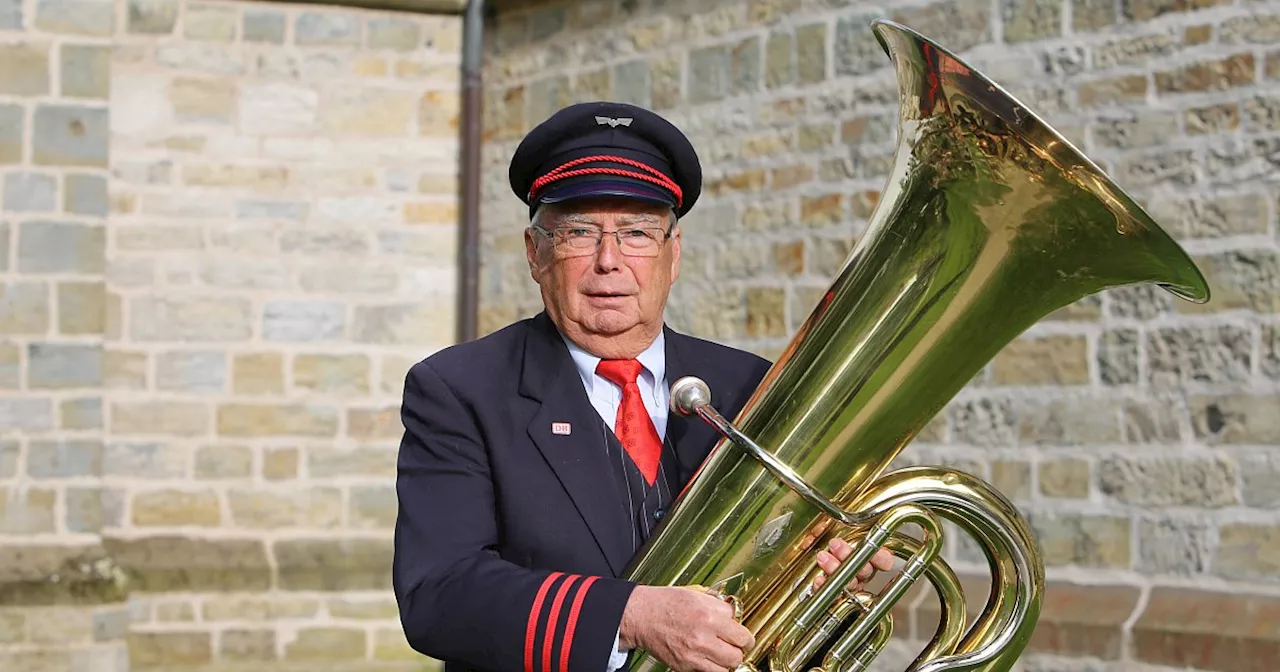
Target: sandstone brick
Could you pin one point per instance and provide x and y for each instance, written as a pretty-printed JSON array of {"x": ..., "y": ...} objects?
[
  {"x": 326, "y": 644},
  {"x": 631, "y": 82},
  {"x": 368, "y": 111},
  {"x": 968, "y": 22},
  {"x": 85, "y": 195},
  {"x": 11, "y": 15},
  {"x": 766, "y": 312},
  {"x": 60, "y": 247},
  {"x": 1118, "y": 357},
  {"x": 1259, "y": 479},
  {"x": 174, "y": 563},
  {"x": 81, "y": 413},
  {"x": 168, "y": 508},
  {"x": 1204, "y": 482},
  {"x": 279, "y": 464},
  {"x": 1141, "y": 302},
  {"x": 259, "y": 608},
  {"x": 666, "y": 83},
  {"x": 204, "y": 99},
  {"x": 1248, "y": 551},
  {"x": 174, "y": 612},
  {"x": 5, "y": 246},
  {"x": 12, "y": 129},
  {"x": 235, "y": 175},
  {"x": 356, "y": 608},
  {"x": 191, "y": 371},
  {"x": 1121, "y": 89},
  {"x": 1064, "y": 478},
  {"x": 276, "y": 420},
  {"x": 86, "y": 71},
  {"x": 1240, "y": 279},
  {"x": 1010, "y": 477},
  {"x": 302, "y": 321},
  {"x": 24, "y": 68},
  {"x": 1085, "y": 540},
  {"x": 63, "y": 366},
  {"x": 263, "y": 26},
  {"x": 390, "y": 644},
  {"x": 1270, "y": 359},
  {"x": 28, "y": 414},
  {"x": 312, "y": 508},
  {"x": 65, "y": 135},
  {"x": 28, "y": 511},
  {"x": 1210, "y": 119},
  {"x": 146, "y": 460},
  {"x": 275, "y": 107},
  {"x": 779, "y": 69},
  {"x": 159, "y": 418},
  {"x": 1207, "y": 630},
  {"x": 1271, "y": 68},
  {"x": 23, "y": 309},
  {"x": 8, "y": 458},
  {"x": 76, "y": 17},
  {"x": 339, "y": 374},
  {"x": 170, "y": 648},
  {"x": 257, "y": 373},
  {"x": 1140, "y": 130},
  {"x": 1059, "y": 360},
  {"x": 709, "y": 74},
  {"x": 1218, "y": 75},
  {"x": 334, "y": 462},
  {"x": 123, "y": 370},
  {"x": 223, "y": 461},
  {"x": 1213, "y": 217},
  {"x": 1025, "y": 20},
  {"x": 190, "y": 318},
  {"x": 1069, "y": 421},
  {"x": 1236, "y": 419},
  {"x": 983, "y": 422},
  {"x": 85, "y": 510},
  {"x": 64, "y": 459},
  {"x": 210, "y": 22},
  {"x": 333, "y": 564},
  {"x": 30, "y": 192},
  {"x": 10, "y": 366},
  {"x": 152, "y": 17},
  {"x": 417, "y": 323},
  {"x": 247, "y": 645},
  {"x": 1209, "y": 354},
  {"x": 1089, "y": 15},
  {"x": 1143, "y": 10}
]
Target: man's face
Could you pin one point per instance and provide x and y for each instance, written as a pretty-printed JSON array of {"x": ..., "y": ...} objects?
[{"x": 596, "y": 293}]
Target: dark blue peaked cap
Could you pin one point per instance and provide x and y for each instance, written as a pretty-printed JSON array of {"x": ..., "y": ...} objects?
[{"x": 606, "y": 149}]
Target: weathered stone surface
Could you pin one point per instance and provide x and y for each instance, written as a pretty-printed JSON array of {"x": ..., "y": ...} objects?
[
  {"x": 210, "y": 22},
  {"x": 1248, "y": 551},
  {"x": 170, "y": 648},
  {"x": 192, "y": 319},
  {"x": 263, "y": 26},
  {"x": 342, "y": 564},
  {"x": 1090, "y": 541},
  {"x": 65, "y": 135},
  {"x": 174, "y": 563},
  {"x": 326, "y": 29},
  {"x": 30, "y": 192},
  {"x": 159, "y": 418},
  {"x": 171, "y": 508},
  {"x": 86, "y": 71},
  {"x": 327, "y": 644},
  {"x": 258, "y": 373},
  {"x": 63, "y": 366},
  {"x": 76, "y": 17},
  {"x": 311, "y": 508},
  {"x": 1028, "y": 20},
  {"x": 1205, "y": 482},
  {"x": 60, "y": 247},
  {"x": 85, "y": 195},
  {"x": 1210, "y": 630},
  {"x": 24, "y": 69},
  {"x": 195, "y": 371},
  {"x": 276, "y": 420},
  {"x": 12, "y": 127}
]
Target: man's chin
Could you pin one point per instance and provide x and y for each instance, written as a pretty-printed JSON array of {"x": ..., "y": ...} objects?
[{"x": 609, "y": 322}]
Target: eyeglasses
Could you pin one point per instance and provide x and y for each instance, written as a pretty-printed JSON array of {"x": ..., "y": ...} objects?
[{"x": 633, "y": 241}]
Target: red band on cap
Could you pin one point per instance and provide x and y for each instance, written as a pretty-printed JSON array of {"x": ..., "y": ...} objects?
[{"x": 562, "y": 172}]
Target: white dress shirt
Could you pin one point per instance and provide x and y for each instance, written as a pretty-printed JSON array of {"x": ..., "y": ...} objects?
[{"x": 605, "y": 396}]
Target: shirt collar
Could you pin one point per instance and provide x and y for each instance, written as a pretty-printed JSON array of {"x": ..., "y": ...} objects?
[{"x": 653, "y": 359}]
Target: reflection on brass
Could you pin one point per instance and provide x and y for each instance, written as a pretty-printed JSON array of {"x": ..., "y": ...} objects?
[{"x": 989, "y": 221}]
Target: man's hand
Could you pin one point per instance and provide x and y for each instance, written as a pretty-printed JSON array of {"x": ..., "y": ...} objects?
[
  {"x": 685, "y": 628},
  {"x": 839, "y": 551}
]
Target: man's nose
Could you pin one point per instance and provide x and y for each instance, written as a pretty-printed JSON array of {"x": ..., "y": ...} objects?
[{"x": 608, "y": 254}]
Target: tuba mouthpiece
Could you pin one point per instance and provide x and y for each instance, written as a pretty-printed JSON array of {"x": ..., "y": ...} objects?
[{"x": 688, "y": 394}]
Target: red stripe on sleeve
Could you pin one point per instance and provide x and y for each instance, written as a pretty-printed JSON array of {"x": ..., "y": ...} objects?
[
  {"x": 573, "y": 622},
  {"x": 553, "y": 619},
  {"x": 533, "y": 619}
]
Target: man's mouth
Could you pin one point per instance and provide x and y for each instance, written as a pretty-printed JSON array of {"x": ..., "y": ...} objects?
[{"x": 607, "y": 295}]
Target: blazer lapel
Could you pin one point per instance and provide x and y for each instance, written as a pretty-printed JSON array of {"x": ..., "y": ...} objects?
[
  {"x": 690, "y": 437},
  {"x": 567, "y": 431}
]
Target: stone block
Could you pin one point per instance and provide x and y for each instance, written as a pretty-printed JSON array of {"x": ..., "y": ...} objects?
[
  {"x": 30, "y": 192},
  {"x": 372, "y": 423},
  {"x": 11, "y": 14},
  {"x": 204, "y": 99},
  {"x": 277, "y": 420},
  {"x": 1112, "y": 90},
  {"x": 1142, "y": 49},
  {"x": 967, "y": 23},
  {"x": 631, "y": 82},
  {"x": 259, "y": 608},
  {"x": 122, "y": 370},
  {"x": 263, "y": 26},
  {"x": 393, "y": 33},
  {"x": 64, "y": 459},
  {"x": 333, "y": 564},
  {"x": 1030, "y": 20},
  {"x": 373, "y": 508},
  {"x": 1172, "y": 481},
  {"x": 190, "y": 318},
  {"x": 1083, "y": 621},
  {"x": 280, "y": 464},
  {"x": 779, "y": 68},
  {"x": 338, "y": 462},
  {"x": 223, "y": 461},
  {"x": 1087, "y": 15},
  {"x": 1068, "y": 421},
  {"x": 81, "y": 308},
  {"x": 326, "y": 29},
  {"x": 236, "y": 175},
  {"x": 1236, "y": 419},
  {"x": 1145, "y": 10},
  {"x": 381, "y": 279},
  {"x": 173, "y": 508},
  {"x": 12, "y": 132},
  {"x": 983, "y": 422},
  {"x": 84, "y": 509},
  {"x": 1118, "y": 357},
  {"x": 86, "y": 71},
  {"x": 275, "y": 508},
  {"x": 303, "y": 321},
  {"x": 111, "y": 623},
  {"x": 28, "y": 511},
  {"x": 1051, "y": 360},
  {"x": 24, "y": 69},
  {"x": 65, "y": 135},
  {"x": 335, "y": 374},
  {"x": 61, "y": 247},
  {"x": 1140, "y": 130},
  {"x": 63, "y": 365},
  {"x": 431, "y": 212},
  {"x": 159, "y": 461},
  {"x": 210, "y": 22},
  {"x": 362, "y": 609},
  {"x": 766, "y": 312},
  {"x": 1064, "y": 478},
  {"x": 415, "y": 323},
  {"x": 1085, "y": 540},
  {"x": 710, "y": 76},
  {"x": 247, "y": 645},
  {"x": 369, "y": 111},
  {"x": 1174, "y": 546},
  {"x": 24, "y": 308},
  {"x": 1240, "y": 279},
  {"x": 85, "y": 195},
  {"x": 811, "y": 53},
  {"x": 10, "y": 366},
  {"x": 177, "y": 649},
  {"x": 9, "y": 458},
  {"x": 152, "y": 17},
  {"x": 5, "y": 246},
  {"x": 1213, "y": 354},
  {"x": 203, "y": 372},
  {"x": 76, "y": 17},
  {"x": 257, "y": 373},
  {"x": 327, "y": 644},
  {"x": 258, "y": 209},
  {"x": 173, "y": 564},
  {"x": 1248, "y": 551},
  {"x": 159, "y": 418},
  {"x": 1207, "y": 76}
]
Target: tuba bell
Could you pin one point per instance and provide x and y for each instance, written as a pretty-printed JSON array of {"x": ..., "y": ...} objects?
[{"x": 989, "y": 221}]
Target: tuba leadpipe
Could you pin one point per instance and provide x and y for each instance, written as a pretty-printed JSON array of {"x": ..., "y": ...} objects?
[{"x": 988, "y": 222}]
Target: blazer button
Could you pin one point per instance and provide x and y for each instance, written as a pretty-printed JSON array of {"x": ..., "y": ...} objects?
[{"x": 657, "y": 515}]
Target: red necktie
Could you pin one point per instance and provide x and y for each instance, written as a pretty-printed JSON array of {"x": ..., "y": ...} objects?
[{"x": 633, "y": 425}]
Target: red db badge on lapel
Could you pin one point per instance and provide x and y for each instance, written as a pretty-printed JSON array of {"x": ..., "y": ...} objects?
[{"x": 561, "y": 428}]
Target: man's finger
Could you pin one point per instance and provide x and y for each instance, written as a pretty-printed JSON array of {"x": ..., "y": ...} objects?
[
  {"x": 840, "y": 548},
  {"x": 883, "y": 560}
]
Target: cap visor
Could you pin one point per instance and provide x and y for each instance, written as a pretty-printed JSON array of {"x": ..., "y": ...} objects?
[{"x": 622, "y": 187}]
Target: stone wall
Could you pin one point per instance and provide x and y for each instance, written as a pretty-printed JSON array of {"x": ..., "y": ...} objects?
[
  {"x": 1139, "y": 434},
  {"x": 228, "y": 229}
]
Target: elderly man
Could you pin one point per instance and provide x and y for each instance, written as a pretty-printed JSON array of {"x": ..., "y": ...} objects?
[{"x": 537, "y": 460}]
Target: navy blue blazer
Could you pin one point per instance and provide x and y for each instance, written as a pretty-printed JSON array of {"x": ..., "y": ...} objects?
[{"x": 510, "y": 537}]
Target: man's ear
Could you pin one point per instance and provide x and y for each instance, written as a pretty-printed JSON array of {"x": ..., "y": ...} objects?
[
  {"x": 675, "y": 252},
  {"x": 531, "y": 254}
]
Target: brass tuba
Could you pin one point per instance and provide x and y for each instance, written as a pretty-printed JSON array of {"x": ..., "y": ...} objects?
[{"x": 989, "y": 222}]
